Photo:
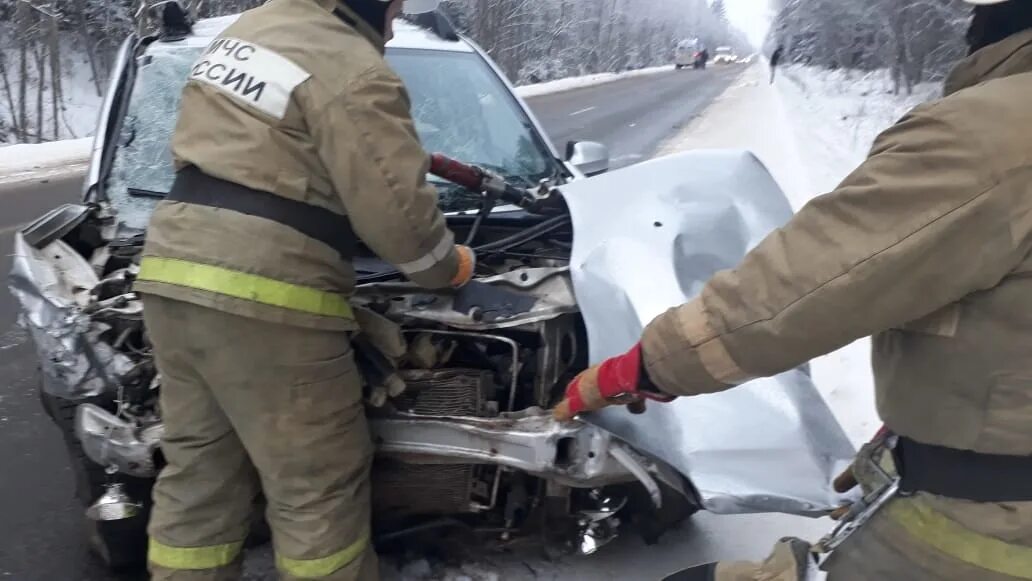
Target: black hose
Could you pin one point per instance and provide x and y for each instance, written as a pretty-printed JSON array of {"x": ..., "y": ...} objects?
[
  {"x": 527, "y": 235},
  {"x": 540, "y": 229},
  {"x": 485, "y": 209}
]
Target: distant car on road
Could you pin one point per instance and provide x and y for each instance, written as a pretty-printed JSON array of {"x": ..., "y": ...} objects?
[
  {"x": 690, "y": 53},
  {"x": 725, "y": 55}
]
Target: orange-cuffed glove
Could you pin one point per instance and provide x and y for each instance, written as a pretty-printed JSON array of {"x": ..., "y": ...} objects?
[
  {"x": 616, "y": 381},
  {"x": 467, "y": 265}
]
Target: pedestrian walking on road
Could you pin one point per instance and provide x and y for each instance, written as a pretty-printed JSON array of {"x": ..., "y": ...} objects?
[
  {"x": 775, "y": 58},
  {"x": 928, "y": 247},
  {"x": 294, "y": 143}
]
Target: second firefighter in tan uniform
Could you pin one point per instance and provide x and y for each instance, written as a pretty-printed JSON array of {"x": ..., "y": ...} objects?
[
  {"x": 294, "y": 142},
  {"x": 927, "y": 247}
]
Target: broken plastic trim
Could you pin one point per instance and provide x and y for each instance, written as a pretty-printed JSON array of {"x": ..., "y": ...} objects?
[
  {"x": 112, "y": 441},
  {"x": 52, "y": 286}
]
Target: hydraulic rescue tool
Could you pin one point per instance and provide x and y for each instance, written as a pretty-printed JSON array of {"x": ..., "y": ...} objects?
[{"x": 492, "y": 185}]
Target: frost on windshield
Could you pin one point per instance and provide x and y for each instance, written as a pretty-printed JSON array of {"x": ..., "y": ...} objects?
[{"x": 142, "y": 171}]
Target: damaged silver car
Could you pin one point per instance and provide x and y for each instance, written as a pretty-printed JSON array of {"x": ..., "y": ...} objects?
[{"x": 463, "y": 439}]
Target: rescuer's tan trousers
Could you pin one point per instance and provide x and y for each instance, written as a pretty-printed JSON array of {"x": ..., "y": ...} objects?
[
  {"x": 882, "y": 550},
  {"x": 251, "y": 406}
]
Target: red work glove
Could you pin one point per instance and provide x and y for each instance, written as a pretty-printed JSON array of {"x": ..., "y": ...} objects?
[{"x": 616, "y": 381}]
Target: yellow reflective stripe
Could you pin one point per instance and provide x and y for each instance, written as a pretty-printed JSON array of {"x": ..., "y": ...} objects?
[
  {"x": 211, "y": 557},
  {"x": 242, "y": 285},
  {"x": 325, "y": 566},
  {"x": 959, "y": 542}
]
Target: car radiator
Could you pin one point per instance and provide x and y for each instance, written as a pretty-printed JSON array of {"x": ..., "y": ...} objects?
[{"x": 404, "y": 488}]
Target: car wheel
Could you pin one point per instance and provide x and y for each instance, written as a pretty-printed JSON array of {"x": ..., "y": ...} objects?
[
  {"x": 121, "y": 545},
  {"x": 651, "y": 523}
]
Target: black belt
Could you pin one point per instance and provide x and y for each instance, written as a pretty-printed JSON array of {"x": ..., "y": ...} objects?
[
  {"x": 193, "y": 186},
  {"x": 962, "y": 473}
]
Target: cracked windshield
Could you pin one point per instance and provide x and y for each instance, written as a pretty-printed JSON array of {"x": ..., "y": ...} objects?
[{"x": 481, "y": 123}]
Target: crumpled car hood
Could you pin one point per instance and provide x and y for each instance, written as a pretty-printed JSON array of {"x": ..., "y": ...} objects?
[{"x": 647, "y": 238}]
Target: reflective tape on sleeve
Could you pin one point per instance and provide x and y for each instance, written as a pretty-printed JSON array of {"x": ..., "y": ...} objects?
[
  {"x": 256, "y": 76},
  {"x": 430, "y": 259},
  {"x": 192, "y": 558},
  {"x": 242, "y": 285},
  {"x": 961, "y": 543},
  {"x": 323, "y": 566}
]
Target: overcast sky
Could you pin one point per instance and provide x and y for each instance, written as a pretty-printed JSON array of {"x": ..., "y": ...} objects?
[{"x": 751, "y": 16}]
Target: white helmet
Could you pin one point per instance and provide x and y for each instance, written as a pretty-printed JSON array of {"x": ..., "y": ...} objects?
[{"x": 419, "y": 6}]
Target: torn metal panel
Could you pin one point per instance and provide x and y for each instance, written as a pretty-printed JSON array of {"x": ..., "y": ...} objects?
[
  {"x": 647, "y": 238},
  {"x": 52, "y": 285}
]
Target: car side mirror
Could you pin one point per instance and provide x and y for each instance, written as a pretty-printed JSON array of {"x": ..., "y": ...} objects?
[{"x": 589, "y": 157}]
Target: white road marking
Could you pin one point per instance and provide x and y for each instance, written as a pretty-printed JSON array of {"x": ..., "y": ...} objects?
[{"x": 583, "y": 111}]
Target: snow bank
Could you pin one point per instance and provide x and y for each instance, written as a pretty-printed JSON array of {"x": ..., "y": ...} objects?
[
  {"x": 24, "y": 162},
  {"x": 570, "y": 83},
  {"x": 840, "y": 113}
]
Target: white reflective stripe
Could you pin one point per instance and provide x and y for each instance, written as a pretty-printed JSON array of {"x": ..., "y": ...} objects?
[
  {"x": 256, "y": 76},
  {"x": 430, "y": 259}
]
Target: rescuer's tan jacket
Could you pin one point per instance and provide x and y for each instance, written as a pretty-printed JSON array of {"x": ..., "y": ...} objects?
[
  {"x": 926, "y": 247},
  {"x": 295, "y": 99}
]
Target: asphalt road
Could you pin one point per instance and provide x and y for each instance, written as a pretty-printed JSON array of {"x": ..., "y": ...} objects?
[
  {"x": 40, "y": 535},
  {"x": 634, "y": 115}
]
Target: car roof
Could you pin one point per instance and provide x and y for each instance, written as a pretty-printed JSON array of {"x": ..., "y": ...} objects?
[{"x": 406, "y": 35}]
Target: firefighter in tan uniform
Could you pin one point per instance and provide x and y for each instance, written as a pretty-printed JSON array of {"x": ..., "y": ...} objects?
[
  {"x": 926, "y": 246},
  {"x": 294, "y": 143}
]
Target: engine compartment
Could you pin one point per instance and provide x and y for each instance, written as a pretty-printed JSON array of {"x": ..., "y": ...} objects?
[{"x": 458, "y": 413}]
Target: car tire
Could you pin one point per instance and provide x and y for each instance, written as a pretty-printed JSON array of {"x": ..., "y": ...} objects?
[
  {"x": 120, "y": 545},
  {"x": 651, "y": 523}
]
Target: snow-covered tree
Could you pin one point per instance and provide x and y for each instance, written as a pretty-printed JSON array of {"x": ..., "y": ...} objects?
[
  {"x": 532, "y": 40},
  {"x": 917, "y": 40}
]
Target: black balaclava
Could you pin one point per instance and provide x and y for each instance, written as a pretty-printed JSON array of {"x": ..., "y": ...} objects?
[
  {"x": 995, "y": 22},
  {"x": 373, "y": 12}
]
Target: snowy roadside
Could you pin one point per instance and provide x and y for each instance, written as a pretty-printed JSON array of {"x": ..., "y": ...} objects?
[
  {"x": 27, "y": 162},
  {"x": 839, "y": 113}
]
